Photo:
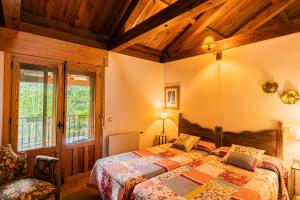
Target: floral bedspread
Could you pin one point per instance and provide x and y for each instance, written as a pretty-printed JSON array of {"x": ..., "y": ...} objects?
[
  {"x": 116, "y": 176},
  {"x": 209, "y": 178}
]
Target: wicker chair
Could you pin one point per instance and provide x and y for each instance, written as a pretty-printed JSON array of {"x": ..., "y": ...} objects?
[{"x": 15, "y": 185}]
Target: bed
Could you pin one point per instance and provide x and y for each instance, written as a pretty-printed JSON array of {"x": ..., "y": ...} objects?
[
  {"x": 210, "y": 178},
  {"x": 116, "y": 176}
]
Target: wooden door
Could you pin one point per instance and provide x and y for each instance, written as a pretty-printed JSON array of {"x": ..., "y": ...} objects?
[
  {"x": 36, "y": 90},
  {"x": 82, "y": 135}
]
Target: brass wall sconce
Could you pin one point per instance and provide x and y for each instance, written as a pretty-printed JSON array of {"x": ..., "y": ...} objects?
[{"x": 209, "y": 44}]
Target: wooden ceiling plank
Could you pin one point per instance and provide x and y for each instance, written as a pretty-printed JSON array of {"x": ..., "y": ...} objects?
[
  {"x": 139, "y": 54},
  {"x": 65, "y": 36},
  {"x": 265, "y": 16},
  {"x": 72, "y": 11},
  {"x": 170, "y": 16},
  {"x": 277, "y": 30},
  {"x": 216, "y": 32},
  {"x": 145, "y": 49},
  {"x": 134, "y": 16},
  {"x": 283, "y": 15},
  {"x": 201, "y": 24},
  {"x": 2, "y": 22},
  {"x": 104, "y": 15},
  {"x": 125, "y": 17},
  {"x": 84, "y": 12},
  {"x": 144, "y": 13},
  {"x": 166, "y": 2},
  {"x": 11, "y": 12},
  {"x": 51, "y": 24},
  {"x": 117, "y": 16},
  {"x": 141, "y": 51}
]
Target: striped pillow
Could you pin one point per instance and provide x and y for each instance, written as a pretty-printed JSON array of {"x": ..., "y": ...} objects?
[
  {"x": 221, "y": 152},
  {"x": 244, "y": 157},
  {"x": 205, "y": 146}
]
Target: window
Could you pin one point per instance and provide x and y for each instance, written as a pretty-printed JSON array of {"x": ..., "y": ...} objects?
[
  {"x": 37, "y": 107},
  {"x": 80, "y": 107}
]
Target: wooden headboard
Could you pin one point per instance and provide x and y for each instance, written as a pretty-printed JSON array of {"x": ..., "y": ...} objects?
[
  {"x": 269, "y": 140},
  {"x": 187, "y": 127}
]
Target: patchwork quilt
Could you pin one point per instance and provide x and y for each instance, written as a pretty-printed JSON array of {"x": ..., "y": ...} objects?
[
  {"x": 116, "y": 176},
  {"x": 209, "y": 178}
]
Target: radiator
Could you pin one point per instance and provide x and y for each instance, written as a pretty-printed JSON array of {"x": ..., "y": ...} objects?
[{"x": 124, "y": 142}]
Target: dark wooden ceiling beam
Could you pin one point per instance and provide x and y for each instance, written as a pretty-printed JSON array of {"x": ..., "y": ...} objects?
[
  {"x": 125, "y": 17},
  {"x": 171, "y": 15},
  {"x": 265, "y": 16},
  {"x": 261, "y": 34},
  {"x": 11, "y": 12},
  {"x": 201, "y": 24}
]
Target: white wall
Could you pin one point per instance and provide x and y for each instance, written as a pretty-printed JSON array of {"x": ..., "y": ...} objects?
[
  {"x": 1, "y": 91},
  {"x": 229, "y": 93},
  {"x": 133, "y": 97}
]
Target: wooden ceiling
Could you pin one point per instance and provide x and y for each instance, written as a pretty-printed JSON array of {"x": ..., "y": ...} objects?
[{"x": 157, "y": 30}]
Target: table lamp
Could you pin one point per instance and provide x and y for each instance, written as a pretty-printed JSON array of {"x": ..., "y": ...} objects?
[{"x": 163, "y": 116}]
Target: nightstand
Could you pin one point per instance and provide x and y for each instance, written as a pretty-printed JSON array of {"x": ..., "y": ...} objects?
[
  {"x": 162, "y": 139},
  {"x": 295, "y": 167}
]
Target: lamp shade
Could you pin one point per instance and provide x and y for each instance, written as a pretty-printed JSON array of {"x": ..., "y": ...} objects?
[
  {"x": 209, "y": 43},
  {"x": 163, "y": 115},
  {"x": 297, "y": 136}
]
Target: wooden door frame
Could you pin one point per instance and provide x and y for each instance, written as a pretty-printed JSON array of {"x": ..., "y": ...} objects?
[
  {"x": 8, "y": 137},
  {"x": 9, "y": 109}
]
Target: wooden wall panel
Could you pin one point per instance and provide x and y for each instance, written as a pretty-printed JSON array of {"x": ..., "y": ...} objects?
[
  {"x": 67, "y": 162},
  {"x": 91, "y": 157},
  {"x": 40, "y": 46},
  {"x": 81, "y": 158}
]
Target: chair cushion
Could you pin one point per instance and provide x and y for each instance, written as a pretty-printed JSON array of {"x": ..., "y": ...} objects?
[{"x": 26, "y": 189}]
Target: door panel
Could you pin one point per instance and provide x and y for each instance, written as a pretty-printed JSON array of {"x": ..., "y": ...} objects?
[
  {"x": 82, "y": 119},
  {"x": 34, "y": 111}
]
